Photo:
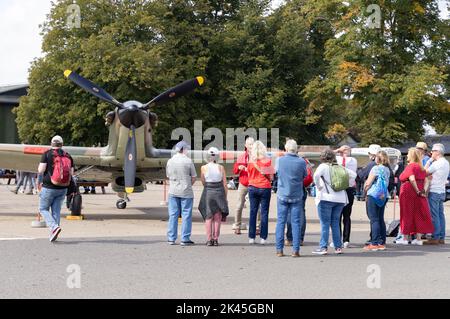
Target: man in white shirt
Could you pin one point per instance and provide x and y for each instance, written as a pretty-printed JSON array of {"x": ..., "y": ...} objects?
[
  {"x": 343, "y": 157},
  {"x": 438, "y": 168}
]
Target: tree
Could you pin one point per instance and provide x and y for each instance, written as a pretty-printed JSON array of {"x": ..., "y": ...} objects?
[{"x": 384, "y": 82}]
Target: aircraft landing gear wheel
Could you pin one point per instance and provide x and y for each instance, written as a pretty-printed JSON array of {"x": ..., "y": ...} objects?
[{"x": 121, "y": 204}]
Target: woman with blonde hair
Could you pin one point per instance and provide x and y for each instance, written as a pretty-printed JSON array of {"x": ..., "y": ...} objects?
[
  {"x": 376, "y": 188},
  {"x": 415, "y": 216},
  {"x": 260, "y": 175}
]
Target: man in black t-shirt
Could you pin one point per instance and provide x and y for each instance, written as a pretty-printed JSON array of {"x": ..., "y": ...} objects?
[{"x": 52, "y": 196}]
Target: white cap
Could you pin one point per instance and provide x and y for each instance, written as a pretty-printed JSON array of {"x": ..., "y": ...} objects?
[
  {"x": 213, "y": 151},
  {"x": 374, "y": 149},
  {"x": 439, "y": 147},
  {"x": 57, "y": 139}
]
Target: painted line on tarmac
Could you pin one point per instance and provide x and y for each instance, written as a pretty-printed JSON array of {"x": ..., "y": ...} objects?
[{"x": 11, "y": 239}]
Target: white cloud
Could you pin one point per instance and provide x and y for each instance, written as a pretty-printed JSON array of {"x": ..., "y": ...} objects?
[{"x": 21, "y": 42}]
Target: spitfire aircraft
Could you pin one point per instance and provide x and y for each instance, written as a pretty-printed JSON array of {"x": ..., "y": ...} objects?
[{"x": 130, "y": 160}]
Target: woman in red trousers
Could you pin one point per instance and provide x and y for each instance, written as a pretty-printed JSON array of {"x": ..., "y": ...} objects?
[{"x": 415, "y": 217}]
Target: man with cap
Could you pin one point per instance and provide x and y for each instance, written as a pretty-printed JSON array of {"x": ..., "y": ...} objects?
[
  {"x": 422, "y": 148},
  {"x": 364, "y": 173},
  {"x": 53, "y": 188},
  {"x": 438, "y": 168},
  {"x": 181, "y": 173}
]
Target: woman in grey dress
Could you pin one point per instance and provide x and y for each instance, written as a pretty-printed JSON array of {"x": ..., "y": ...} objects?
[{"x": 213, "y": 204}]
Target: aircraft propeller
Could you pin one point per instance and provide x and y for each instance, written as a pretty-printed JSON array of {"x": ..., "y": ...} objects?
[{"x": 131, "y": 115}]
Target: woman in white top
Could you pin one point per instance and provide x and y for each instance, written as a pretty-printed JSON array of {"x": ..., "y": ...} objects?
[
  {"x": 213, "y": 204},
  {"x": 329, "y": 202}
]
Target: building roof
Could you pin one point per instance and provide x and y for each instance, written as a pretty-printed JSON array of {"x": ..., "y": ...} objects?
[
  {"x": 430, "y": 140},
  {"x": 10, "y": 94}
]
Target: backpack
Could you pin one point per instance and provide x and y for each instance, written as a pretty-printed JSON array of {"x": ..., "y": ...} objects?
[
  {"x": 309, "y": 177},
  {"x": 379, "y": 191},
  {"x": 339, "y": 177},
  {"x": 62, "y": 167}
]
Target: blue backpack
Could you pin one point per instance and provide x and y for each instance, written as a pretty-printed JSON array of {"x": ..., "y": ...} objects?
[{"x": 379, "y": 190}]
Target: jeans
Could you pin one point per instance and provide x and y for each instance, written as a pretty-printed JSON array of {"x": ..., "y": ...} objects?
[
  {"x": 259, "y": 197},
  {"x": 294, "y": 211},
  {"x": 377, "y": 224},
  {"x": 302, "y": 221},
  {"x": 436, "y": 202},
  {"x": 330, "y": 215},
  {"x": 51, "y": 199},
  {"x": 177, "y": 206}
]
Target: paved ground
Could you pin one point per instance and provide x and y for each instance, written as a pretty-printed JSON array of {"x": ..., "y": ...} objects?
[{"x": 123, "y": 254}]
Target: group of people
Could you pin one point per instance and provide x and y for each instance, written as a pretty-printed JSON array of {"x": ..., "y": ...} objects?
[{"x": 422, "y": 194}]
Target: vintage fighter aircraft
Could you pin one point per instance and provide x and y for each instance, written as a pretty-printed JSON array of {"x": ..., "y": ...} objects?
[{"x": 130, "y": 160}]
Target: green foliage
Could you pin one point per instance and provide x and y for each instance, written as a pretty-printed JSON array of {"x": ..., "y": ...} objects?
[{"x": 311, "y": 68}]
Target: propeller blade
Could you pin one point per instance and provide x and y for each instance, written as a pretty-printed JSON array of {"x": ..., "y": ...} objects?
[
  {"x": 91, "y": 88},
  {"x": 130, "y": 161},
  {"x": 177, "y": 91}
]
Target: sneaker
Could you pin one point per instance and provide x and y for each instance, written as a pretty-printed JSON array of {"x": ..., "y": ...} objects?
[
  {"x": 381, "y": 247},
  {"x": 187, "y": 243},
  {"x": 215, "y": 242},
  {"x": 346, "y": 244},
  {"x": 401, "y": 241},
  {"x": 320, "y": 251},
  {"x": 295, "y": 254},
  {"x": 332, "y": 245},
  {"x": 417, "y": 242},
  {"x": 55, "y": 233},
  {"x": 288, "y": 242},
  {"x": 14, "y": 190},
  {"x": 251, "y": 241},
  {"x": 237, "y": 231},
  {"x": 263, "y": 241},
  {"x": 210, "y": 243},
  {"x": 371, "y": 247},
  {"x": 338, "y": 251},
  {"x": 171, "y": 242},
  {"x": 234, "y": 227},
  {"x": 280, "y": 253}
]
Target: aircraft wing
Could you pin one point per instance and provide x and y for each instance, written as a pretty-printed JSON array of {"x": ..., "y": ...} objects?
[{"x": 27, "y": 157}]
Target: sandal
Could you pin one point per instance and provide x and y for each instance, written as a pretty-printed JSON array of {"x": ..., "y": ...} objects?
[{"x": 237, "y": 231}]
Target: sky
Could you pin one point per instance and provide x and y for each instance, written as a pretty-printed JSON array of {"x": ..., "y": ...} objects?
[{"x": 21, "y": 42}]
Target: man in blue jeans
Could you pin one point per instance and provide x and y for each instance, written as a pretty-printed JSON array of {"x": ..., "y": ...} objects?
[
  {"x": 438, "y": 168},
  {"x": 291, "y": 171},
  {"x": 51, "y": 195},
  {"x": 181, "y": 173}
]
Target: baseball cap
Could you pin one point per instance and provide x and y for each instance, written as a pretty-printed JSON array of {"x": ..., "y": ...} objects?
[
  {"x": 374, "y": 149},
  {"x": 181, "y": 145},
  {"x": 439, "y": 147},
  {"x": 57, "y": 139},
  {"x": 422, "y": 145}
]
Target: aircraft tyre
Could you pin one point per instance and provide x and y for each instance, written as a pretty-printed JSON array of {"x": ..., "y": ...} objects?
[{"x": 121, "y": 204}]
